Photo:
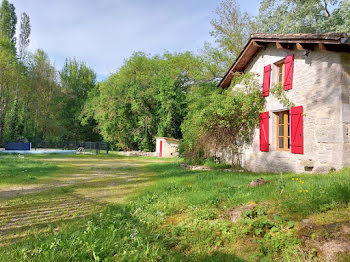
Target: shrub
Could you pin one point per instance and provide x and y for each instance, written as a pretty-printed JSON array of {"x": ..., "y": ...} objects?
[{"x": 220, "y": 118}]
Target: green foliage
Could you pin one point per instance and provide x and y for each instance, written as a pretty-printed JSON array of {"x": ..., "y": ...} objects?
[
  {"x": 40, "y": 119},
  {"x": 77, "y": 80},
  {"x": 146, "y": 98},
  {"x": 8, "y": 21},
  {"x": 15, "y": 119},
  {"x": 7, "y": 78},
  {"x": 215, "y": 60},
  {"x": 231, "y": 27},
  {"x": 312, "y": 16},
  {"x": 24, "y": 35},
  {"x": 278, "y": 92},
  {"x": 220, "y": 119}
]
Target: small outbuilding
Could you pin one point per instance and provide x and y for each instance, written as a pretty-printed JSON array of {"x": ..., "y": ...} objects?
[{"x": 166, "y": 147}]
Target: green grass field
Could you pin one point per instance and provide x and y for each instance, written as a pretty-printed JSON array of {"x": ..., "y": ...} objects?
[{"x": 112, "y": 208}]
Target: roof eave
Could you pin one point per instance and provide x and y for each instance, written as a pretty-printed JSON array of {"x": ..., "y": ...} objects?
[{"x": 259, "y": 41}]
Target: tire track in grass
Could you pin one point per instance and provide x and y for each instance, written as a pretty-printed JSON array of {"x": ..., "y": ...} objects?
[{"x": 104, "y": 181}]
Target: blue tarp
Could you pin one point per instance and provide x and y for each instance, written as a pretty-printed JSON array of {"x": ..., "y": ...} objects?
[{"x": 18, "y": 146}]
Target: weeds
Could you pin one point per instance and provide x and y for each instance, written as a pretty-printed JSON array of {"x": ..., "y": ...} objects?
[
  {"x": 16, "y": 170},
  {"x": 182, "y": 217}
]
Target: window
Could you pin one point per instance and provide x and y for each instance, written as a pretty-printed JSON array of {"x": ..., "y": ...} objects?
[
  {"x": 283, "y": 131},
  {"x": 280, "y": 72}
]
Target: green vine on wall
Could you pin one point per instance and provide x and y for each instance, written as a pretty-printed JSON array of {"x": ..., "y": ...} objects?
[{"x": 278, "y": 92}]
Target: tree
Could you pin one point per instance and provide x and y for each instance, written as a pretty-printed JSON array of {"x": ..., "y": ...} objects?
[
  {"x": 221, "y": 119},
  {"x": 216, "y": 61},
  {"x": 8, "y": 20},
  {"x": 340, "y": 19},
  {"x": 7, "y": 79},
  {"x": 232, "y": 27},
  {"x": 304, "y": 16},
  {"x": 24, "y": 35},
  {"x": 175, "y": 75},
  {"x": 41, "y": 99},
  {"x": 146, "y": 98},
  {"x": 15, "y": 120},
  {"x": 231, "y": 31},
  {"x": 77, "y": 80}
]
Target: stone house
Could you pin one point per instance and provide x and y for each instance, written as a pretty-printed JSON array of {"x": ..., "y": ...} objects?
[{"x": 314, "y": 69}]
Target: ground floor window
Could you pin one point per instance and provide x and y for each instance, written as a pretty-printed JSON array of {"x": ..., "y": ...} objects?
[{"x": 283, "y": 131}]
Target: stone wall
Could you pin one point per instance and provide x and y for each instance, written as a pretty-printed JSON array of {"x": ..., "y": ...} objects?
[
  {"x": 345, "y": 99},
  {"x": 318, "y": 87},
  {"x": 137, "y": 153},
  {"x": 224, "y": 155},
  {"x": 170, "y": 148}
]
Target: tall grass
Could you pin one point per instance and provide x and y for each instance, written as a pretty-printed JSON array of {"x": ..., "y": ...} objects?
[
  {"x": 21, "y": 170},
  {"x": 184, "y": 217}
]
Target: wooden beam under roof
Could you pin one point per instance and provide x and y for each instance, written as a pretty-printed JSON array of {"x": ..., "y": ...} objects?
[
  {"x": 334, "y": 48},
  {"x": 322, "y": 47},
  {"x": 258, "y": 44},
  {"x": 285, "y": 46},
  {"x": 304, "y": 47}
]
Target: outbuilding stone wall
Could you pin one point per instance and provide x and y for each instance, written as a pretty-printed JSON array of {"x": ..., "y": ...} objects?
[{"x": 169, "y": 147}]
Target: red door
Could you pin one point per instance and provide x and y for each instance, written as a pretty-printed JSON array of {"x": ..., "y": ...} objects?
[{"x": 161, "y": 148}]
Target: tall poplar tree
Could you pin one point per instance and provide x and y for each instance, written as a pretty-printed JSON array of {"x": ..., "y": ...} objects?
[
  {"x": 24, "y": 35},
  {"x": 16, "y": 117},
  {"x": 8, "y": 21}
]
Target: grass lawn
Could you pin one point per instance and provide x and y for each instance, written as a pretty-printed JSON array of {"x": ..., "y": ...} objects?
[{"x": 110, "y": 208}]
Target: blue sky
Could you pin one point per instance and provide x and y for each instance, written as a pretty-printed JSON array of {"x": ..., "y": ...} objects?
[{"x": 103, "y": 33}]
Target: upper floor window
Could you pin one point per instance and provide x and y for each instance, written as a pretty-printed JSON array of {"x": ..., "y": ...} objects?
[{"x": 280, "y": 69}]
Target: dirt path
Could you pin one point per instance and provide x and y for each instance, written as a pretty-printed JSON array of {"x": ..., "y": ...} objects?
[{"x": 86, "y": 188}]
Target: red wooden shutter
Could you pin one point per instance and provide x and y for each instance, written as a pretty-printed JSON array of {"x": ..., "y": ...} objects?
[
  {"x": 296, "y": 124},
  {"x": 266, "y": 83},
  {"x": 288, "y": 72},
  {"x": 160, "y": 148},
  {"x": 264, "y": 132}
]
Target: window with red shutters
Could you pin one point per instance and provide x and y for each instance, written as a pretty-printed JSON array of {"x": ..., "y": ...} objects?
[
  {"x": 264, "y": 132},
  {"x": 297, "y": 136},
  {"x": 266, "y": 83},
  {"x": 283, "y": 131},
  {"x": 288, "y": 72}
]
